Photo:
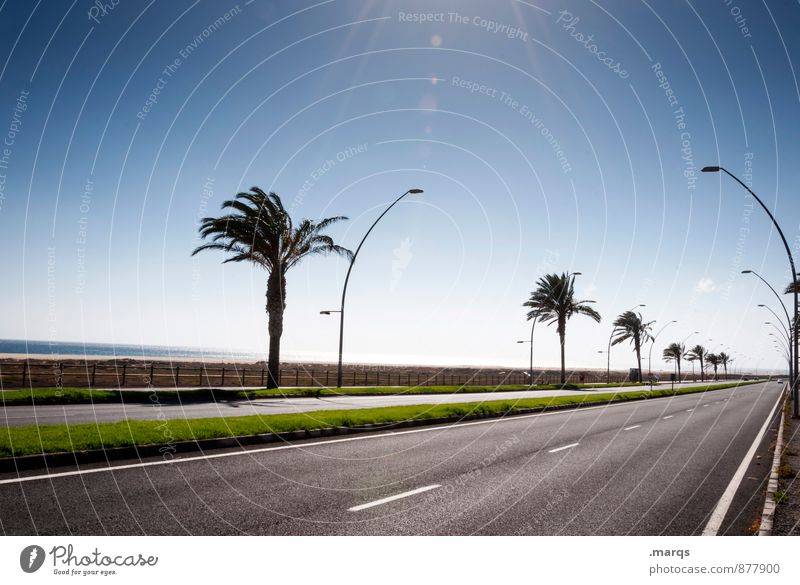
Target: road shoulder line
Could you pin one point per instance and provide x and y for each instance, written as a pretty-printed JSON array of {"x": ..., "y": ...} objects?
[{"x": 721, "y": 509}]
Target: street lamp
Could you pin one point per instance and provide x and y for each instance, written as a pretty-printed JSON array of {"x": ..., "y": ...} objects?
[
  {"x": 788, "y": 337},
  {"x": 778, "y": 319},
  {"x": 347, "y": 279},
  {"x": 793, "y": 373},
  {"x": 792, "y": 364},
  {"x": 652, "y": 343},
  {"x": 688, "y": 336},
  {"x": 533, "y": 326}
]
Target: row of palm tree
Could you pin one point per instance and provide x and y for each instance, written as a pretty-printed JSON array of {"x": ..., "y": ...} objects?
[
  {"x": 675, "y": 352},
  {"x": 258, "y": 229},
  {"x": 553, "y": 301}
]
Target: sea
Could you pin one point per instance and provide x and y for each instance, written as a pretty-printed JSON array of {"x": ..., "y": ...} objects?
[{"x": 56, "y": 348}]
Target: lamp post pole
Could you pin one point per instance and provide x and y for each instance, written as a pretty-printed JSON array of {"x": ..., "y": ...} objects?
[
  {"x": 533, "y": 326},
  {"x": 793, "y": 373},
  {"x": 792, "y": 369},
  {"x": 347, "y": 279}
]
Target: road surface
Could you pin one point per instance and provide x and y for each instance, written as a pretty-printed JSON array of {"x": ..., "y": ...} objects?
[
  {"x": 89, "y": 413},
  {"x": 652, "y": 467}
]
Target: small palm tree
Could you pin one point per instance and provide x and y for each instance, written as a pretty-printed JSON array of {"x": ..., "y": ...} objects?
[
  {"x": 698, "y": 353},
  {"x": 629, "y": 325},
  {"x": 724, "y": 360},
  {"x": 674, "y": 353},
  {"x": 258, "y": 229},
  {"x": 712, "y": 359},
  {"x": 554, "y": 301}
]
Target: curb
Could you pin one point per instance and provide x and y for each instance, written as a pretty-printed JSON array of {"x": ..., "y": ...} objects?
[
  {"x": 768, "y": 513},
  {"x": 168, "y": 450}
]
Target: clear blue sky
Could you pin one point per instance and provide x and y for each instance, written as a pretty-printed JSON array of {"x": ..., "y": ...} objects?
[{"x": 539, "y": 148}]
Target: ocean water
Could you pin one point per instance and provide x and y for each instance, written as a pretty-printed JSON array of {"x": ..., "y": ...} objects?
[{"x": 29, "y": 347}]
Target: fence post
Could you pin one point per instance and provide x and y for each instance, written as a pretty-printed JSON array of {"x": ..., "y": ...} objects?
[
  {"x": 296, "y": 376},
  {"x": 327, "y": 376},
  {"x": 24, "y": 371},
  {"x": 262, "y": 376},
  {"x": 244, "y": 376},
  {"x": 177, "y": 375},
  {"x": 222, "y": 383},
  {"x": 94, "y": 372}
]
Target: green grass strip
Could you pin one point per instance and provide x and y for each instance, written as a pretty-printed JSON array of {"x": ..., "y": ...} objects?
[
  {"x": 89, "y": 396},
  {"x": 31, "y": 440}
]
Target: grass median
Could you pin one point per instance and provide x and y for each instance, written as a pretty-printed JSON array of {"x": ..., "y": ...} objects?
[
  {"x": 33, "y": 440},
  {"x": 94, "y": 396}
]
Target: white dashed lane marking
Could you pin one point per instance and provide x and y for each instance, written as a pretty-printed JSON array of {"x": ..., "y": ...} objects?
[
  {"x": 393, "y": 498},
  {"x": 557, "y": 449}
]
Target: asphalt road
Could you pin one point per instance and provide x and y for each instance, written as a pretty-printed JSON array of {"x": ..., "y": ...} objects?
[
  {"x": 647, "y": 468},
  {"x": 89, "y": 413}
]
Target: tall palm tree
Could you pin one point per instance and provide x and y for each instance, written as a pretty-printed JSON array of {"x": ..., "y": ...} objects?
[
  {"x": 629, "y": 325},
  {"x": 698, "y": 353},
  {"x": 259, "y": 229},
  {"x": 712, "y": 359},
  {"x": 724, "y": 360},
  {"x": 554, "y": 301},
  {"x": 674, "y": 353}
]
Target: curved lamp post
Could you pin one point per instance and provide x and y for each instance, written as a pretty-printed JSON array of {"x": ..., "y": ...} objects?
[
  {"x": 792, "y": 369},
  {"x": 793, "y": 373},
  {"x": 533, "y": 326},
  {"x": 347, "y": 279}
]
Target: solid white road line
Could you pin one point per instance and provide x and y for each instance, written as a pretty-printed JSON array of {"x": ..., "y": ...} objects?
[
  {"x": 721, "y": 509},
  {"x": 689, "y": 409},
  {"x": 570, "y": 446},
  {"x": 304, "y": 445},
  {"x": 670, "y": 416},
  {"x": 631, "y": 428},
  {"x": 393, "y": 498}
]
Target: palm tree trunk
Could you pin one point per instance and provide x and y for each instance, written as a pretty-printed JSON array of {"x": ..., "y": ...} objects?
[
  {"x": 702, "y": 371},
  {"x": 679, "y": 369},
  {"x": 276, "y": 303},
  {"x": 562, "y": 334},
  {"x": 639, "y": 360}
]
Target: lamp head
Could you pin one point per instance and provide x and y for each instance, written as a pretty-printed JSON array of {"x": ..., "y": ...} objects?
[
  {"x": 747, "y": 272},
  {"x": 415, "y": 191},
  {"x": 710, "y": 169}
]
